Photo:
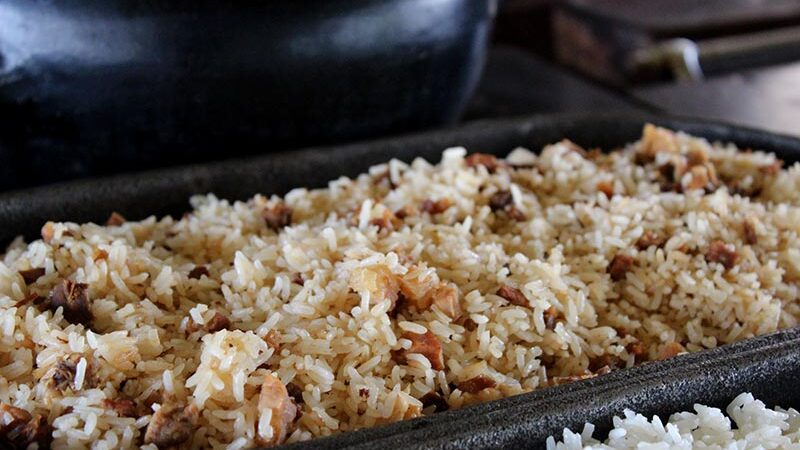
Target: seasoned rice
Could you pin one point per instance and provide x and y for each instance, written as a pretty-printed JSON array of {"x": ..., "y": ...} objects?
[
  {"x": 749, "y": 424},
  {"x": 411, "y": 289}
]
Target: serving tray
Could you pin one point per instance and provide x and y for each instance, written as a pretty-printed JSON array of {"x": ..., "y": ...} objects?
[{"x": 768, "y": 366}]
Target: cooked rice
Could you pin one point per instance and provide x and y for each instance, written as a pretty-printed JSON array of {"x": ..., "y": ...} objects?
[
  {"x": 313, "y": 301},
  {"x": 748, "y": 425}
]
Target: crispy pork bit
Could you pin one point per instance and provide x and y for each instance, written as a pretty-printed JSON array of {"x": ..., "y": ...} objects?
[
  {"x": 74, "y": 300},
  {"x": 513, "y": 295},
  {"x": 273, "y": 340},
  {"x": 32, "y": 297},
  {"x": 296, "y": 392},
  {"x": 483, "y": 159},
  {"x": 31, "y": 275},
  {"x": 437, "y": 401},
  {"x": 123, "y": 406},
  {"x": 99, "y": 254},
  {"x": 550, "y": 316},
  {"x": 670, "y": 350},
  {"x": 697, "y": 157},
  {"x": 718, "y": 252},
  {"x": 445, "y": 297},
  {"x": 115, "y": 220},
  {"x": 436, "y": 207},
  {"x": 772, "y": 169},
  {"x": 198, "y": 272},
  {"x": 749, "y": 230},
  {"x": 426, "y": 345},
  {"x": 516, "y": 214},
  {"x": 23, "y": 429},
  {"x": 275, "y": 398},
  {"x": 61, "y": 376},
  {"x": 48, "y": 231},
  {"x": 477, "y": 384},
  {"x": 619, "y": 266},
  {"x": 606, "y": 187},
  {"x": 702, "y": 177},
  {"x": 500, "y": 200},
  {"x": 636, "y": 349},
  {"x": 648, "y": 239},
  {"x": 278, "y": 216},
  {"x": 655, "y": 140},
  {"x": 171, "y": 425},
  {"x": 217, "y": 323},
  {"x": 378, "y": 281},
  {"x": 406, "y": 211}
]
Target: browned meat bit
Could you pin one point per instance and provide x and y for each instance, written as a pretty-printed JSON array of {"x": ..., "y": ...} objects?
[
  {"x": 636, "y": 349},
  {"x": 749, "y": 229},
  {"x": 504, "y": 201},
  {"x": 277, "y": 216},
  {"x": 385, "y": 175},
  {"x": 61, "y": 376},
  {"x": 388, "y": 221},
  {"x": 718, "y": 252},
  {"x": 516, "y": 214},
  {"x": 297, "y": 278},
  {"x": 99, "y": 254},
  {"x": 500, "y": 200},
  {"x": 697, "y": 157},
  {"x": 273, "y": 340},
  {"x": 32, "y": 297},
  {"x": 772, "y": 169},
  {"x": 445, "y": 297},
  {"x": 198, "y": 272},
  {"x": 378, "y": 281},
  {"x": 550, "y": 316},
  {"x": 72, "y": 297},
  {"x": 648, "y": 239},
  {"x": 477, "y": 384},
  {"x": 31, "y": 275},
  {"x": 123, "y": 406},
  {"x": 483, "y": 159},
  {"x": 513, "y": 295},
  {"x": 470, "y": 325},
  {"x": 275, "y": 398},
  {"x": 115, "y": 220},
  {"x": 363, "y": 393},
  {"x": 217, "y": 323},
  {"x": 671, "y": 349},
  {"x": 655, "y": 140},
  {"x": 24, "y": 429},
  {"x": 48, "y": 231},
  {"x": 437, "y": 401},
  {"x": 702, "y": 177},
  {"x": 171, "y": 425},
  {"x": 436, "y": 207},
  {"x": 619, "y": 266},
  {"x": 296, "y": 392},
  {"x": 606, "y": 187},
  {"x": 426, "y": 345},
  {"x": 406, "y": 211},
  {"x": 603, "y": 363}
]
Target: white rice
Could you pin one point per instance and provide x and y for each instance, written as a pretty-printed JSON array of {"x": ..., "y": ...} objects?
[
  {"x": 749, "y": 424},
  {"x": 315, "y": 303}
]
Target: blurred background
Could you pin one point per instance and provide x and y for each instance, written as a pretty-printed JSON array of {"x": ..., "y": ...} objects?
[{"x": 97, "y": 87}]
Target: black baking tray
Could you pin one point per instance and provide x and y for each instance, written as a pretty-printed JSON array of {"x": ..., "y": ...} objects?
[{"x": 768, "y": 366}]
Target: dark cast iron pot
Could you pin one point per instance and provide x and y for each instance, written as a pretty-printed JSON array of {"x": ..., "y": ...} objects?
[{"x": 103, "y": 86}]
